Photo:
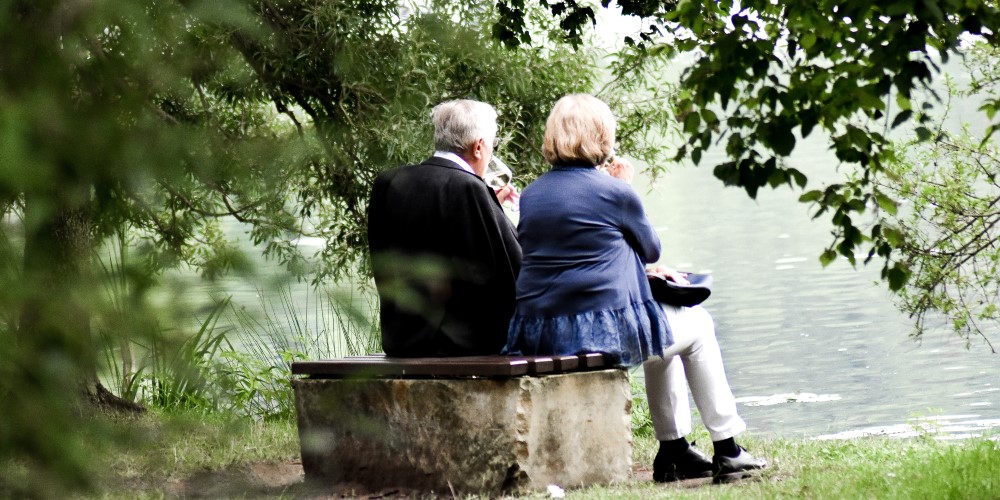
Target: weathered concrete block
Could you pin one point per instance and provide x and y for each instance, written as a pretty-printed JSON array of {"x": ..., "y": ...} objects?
[{"x": 471, "y": 435}]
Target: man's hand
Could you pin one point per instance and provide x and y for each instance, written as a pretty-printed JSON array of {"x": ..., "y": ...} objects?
[{"x": 508, "y": 193}]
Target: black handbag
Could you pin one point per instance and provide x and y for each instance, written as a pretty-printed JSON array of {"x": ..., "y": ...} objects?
[{"x": 675, "y": 294}]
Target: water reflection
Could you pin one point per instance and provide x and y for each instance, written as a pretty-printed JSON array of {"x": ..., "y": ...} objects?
[
  {"x": 809, "y": 351},
  {"x": 944, "y": 427},
  {"x": 812, "y": 351}
]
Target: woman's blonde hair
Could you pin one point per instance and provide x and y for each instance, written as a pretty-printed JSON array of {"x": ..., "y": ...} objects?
[{"x": 580, "y": 129}]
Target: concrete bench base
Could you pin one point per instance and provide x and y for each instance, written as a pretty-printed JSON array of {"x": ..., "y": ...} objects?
[{"x": 467, "y": 435}]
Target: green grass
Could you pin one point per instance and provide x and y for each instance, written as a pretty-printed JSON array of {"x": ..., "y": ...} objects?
[
  {"x": 861, "y": 468},
  {"x": 161, "y": 447},
  {"x": 166, "y": 448}
]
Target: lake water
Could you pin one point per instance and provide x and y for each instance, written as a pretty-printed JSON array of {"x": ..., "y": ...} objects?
[
  {"x": 812, "y": 351},
  {"x": 809, "y": 351}
]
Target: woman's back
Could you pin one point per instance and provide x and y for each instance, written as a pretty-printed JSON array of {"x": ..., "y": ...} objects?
[
  {"x": 585, "y": 241},
  {"x": 582, "y": 287}
]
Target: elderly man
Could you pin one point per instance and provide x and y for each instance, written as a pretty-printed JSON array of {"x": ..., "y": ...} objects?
[{"x": 444, "y": 255}]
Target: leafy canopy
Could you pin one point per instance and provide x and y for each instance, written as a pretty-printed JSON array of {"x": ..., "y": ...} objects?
[
  {"x": 950, "y": 226},
  {"x": 767, "y": 74},
  {"x": 146, "y": 124}
]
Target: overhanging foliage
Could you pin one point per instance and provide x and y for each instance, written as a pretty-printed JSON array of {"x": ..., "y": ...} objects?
[{"x": 767, "y": 74}]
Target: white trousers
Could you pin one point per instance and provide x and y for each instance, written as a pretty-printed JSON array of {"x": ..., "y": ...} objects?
[{"x": 693, "y": 361}]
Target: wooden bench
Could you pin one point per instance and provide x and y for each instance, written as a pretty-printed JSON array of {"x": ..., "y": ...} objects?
[
  {"x": 484, "y": 425},
  {"x": 377, "y": 365}
]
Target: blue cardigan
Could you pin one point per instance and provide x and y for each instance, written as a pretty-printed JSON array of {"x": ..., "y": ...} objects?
[{"x": 586, "y": 240}]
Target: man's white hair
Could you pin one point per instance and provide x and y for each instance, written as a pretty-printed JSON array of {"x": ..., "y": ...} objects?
[{"x": 460, "y": 123}]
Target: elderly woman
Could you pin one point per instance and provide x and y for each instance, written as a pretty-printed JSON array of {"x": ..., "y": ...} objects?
[{"x": 586, "y": 241}]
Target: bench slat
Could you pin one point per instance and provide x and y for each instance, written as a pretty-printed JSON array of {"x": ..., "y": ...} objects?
[
  {"x": 566, "y": 363},
  {"x": 536, "y": 364},
  {"x": 379, "y": 365},
  {"x": 411, "y": 367},
  {"x": 592, "y": 360}
]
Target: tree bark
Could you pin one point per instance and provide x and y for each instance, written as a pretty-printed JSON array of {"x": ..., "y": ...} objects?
[{"x": 55, "y": 318}]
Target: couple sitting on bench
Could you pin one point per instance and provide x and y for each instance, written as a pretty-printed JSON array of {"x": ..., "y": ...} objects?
[{"x": 456, "y": 279}]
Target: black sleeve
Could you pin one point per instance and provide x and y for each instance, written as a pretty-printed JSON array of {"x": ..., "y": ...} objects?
[{"x": 484, "y": 295}]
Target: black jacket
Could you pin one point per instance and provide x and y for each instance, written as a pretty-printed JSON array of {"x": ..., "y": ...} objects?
[{"x": 445, "y": 259}]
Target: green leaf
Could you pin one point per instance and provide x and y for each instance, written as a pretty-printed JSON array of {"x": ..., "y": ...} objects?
[
  {"x": 899, "y": 8},
  {"x": 846, "y": 248},
  {"x": 935, "y": 10},
  {"x": 903, "y": 102},
  {"x": 990, "y": 108},
  {"x": 897, "y": 276},
  {"x": 779, "y": 137},
  {"x": 857, "y": 205},
  {"x": 828, "y": 256},
  {"x": 989, "y": 133},
  {"x": 853, "y": 235},
  {"x": 777, "y": 178},
  {"x": 886, "y": 203},
  {"x": 727, "y": 173},
  {"x": 893, "y": 236},
  {"x": 807, "y": 41},
  {"x": 901, "y": 117},
  {"x": 807, "y": 120},
  {"x": 868, "y": 100},
  {"x": 799, "y": 178},
  {"x": 681, "y": 153},
  {"x": 691, "y": 123},
  {"x": 811, "y": 196},
  {"x": 923, "y": 134}
]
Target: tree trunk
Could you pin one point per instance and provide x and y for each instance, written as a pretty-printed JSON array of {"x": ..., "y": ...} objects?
[{"x": 55, "y": 317}]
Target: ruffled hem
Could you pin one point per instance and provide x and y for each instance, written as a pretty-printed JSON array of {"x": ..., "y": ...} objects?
[{"x": 628, "y": 335}]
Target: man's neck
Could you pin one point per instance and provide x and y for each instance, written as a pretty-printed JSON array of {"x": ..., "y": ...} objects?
[{"x": 448, "y": 155}]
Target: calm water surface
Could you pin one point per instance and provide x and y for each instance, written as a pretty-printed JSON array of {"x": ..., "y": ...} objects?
[
  {"x": 809, "y": 351},
  {"x": 812, "y": 351}
]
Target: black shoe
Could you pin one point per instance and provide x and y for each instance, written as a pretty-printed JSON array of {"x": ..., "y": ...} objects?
[
  {"x": 726, "y": 469},
  {"x": 690, "y": 464}
]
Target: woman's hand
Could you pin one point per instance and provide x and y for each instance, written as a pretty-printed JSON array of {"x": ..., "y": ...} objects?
[
  {"x": 668, "y": 273},
  {"x": 621, "y": 169}
]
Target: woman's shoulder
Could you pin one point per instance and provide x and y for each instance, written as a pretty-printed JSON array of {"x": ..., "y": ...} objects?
[
  {"x": 615, "y": 187},
  {"x": 572, "y": 183},
  {"x": 573, "y": 176}
]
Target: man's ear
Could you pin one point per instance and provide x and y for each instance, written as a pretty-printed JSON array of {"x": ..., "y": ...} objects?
[{"x": 479, "y": 149}]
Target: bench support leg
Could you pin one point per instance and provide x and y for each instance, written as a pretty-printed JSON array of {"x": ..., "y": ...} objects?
[{"x": 474, "y": 436}]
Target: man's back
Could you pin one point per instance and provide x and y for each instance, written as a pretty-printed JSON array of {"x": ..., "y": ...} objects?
[{"x": 445, "y": 260}]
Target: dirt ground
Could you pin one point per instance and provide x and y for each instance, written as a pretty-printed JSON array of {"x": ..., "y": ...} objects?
[
  {"x": 286, "y": 480},
  {"x": 257, "y": 480},
  {"x": 281, "y": 480}
]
